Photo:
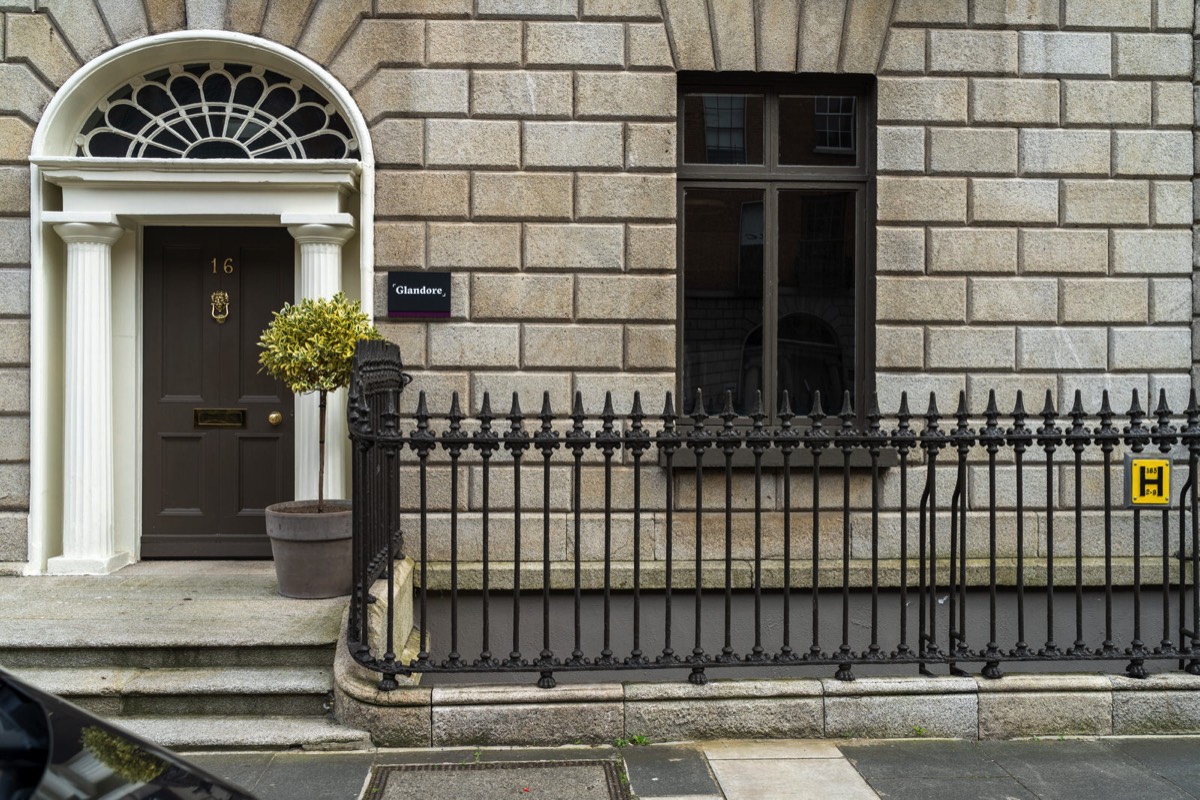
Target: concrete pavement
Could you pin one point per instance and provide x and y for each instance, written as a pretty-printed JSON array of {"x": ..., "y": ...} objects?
[{"x": 1161, "y": 768}]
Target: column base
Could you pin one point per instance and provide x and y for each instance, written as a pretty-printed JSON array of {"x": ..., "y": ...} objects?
[{"x": 65, "y": 565}]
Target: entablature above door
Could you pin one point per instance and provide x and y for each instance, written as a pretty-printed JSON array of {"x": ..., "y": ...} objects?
[{"x": 187, "y": 189}]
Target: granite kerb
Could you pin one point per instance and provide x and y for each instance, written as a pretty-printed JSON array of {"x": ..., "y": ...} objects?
[{"x": 1015, "y": 706}]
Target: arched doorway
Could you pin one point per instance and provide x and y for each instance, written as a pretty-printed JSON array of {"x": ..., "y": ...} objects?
[{"x": 189, "y": 137}]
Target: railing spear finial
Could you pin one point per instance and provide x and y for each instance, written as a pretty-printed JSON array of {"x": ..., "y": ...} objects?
[
  {"x": 847, "y": 413},
  {"x": 817, "y": 413}
]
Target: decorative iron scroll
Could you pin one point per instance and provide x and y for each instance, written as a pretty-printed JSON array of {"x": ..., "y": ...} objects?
[{"x": 216, "y": 110}]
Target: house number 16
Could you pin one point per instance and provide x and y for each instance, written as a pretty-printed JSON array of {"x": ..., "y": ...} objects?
[{"x": 226, "y": 265}]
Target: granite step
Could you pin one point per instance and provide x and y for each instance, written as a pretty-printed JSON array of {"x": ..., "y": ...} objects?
[
  {"x": 234, "y": 691},
  {"x": 207, "y": 733},
  {"x": 167, "y": 655},
  {"x": 178, "y": 646}
]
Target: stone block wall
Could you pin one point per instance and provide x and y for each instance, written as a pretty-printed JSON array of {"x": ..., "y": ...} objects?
[
  {"x": 1034, "y": 194},
  {"x": 1034, "y": 226},
  {"x": 24, "y": 96}
]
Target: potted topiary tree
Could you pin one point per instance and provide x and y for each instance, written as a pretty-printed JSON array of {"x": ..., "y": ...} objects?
[{"x": 310, "y": 348}]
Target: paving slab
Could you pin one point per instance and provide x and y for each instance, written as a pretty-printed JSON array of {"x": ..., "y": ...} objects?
[
  {"x": 669, "y": 771},
  {"x": 290, "y": 776},
  {"x": 933, "y": 759},
  {"x": 1079, "y": 770},
  {"x": 770, "y": 748},
  {"x": 242, "y": 769},
  {"x": 1175, "y": 759},
  {"x": 314, "y": 776},
  {"x": 953, "y": 789},
  {"x": 796, "y": 779}
]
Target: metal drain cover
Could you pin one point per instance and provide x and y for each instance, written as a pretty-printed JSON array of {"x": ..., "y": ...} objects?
[{"x": 535, "y": 780}]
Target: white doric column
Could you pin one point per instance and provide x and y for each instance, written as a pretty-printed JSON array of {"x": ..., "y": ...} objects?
[
  {"x": 89, "y": 541},
  {"x": 320, "y": 277}
]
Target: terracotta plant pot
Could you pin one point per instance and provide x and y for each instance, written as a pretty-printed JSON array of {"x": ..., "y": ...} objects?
[{"x": 312, "y": 551}]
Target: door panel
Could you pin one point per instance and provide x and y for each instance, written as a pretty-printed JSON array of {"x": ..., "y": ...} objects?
[
  {"x": 205, "y": 487},
  {"x": 259, "y": 292},
  {"x": 182, "y": 484},
  {"x": 257, "y": 455},
  {"x": 183, "y": 363}
]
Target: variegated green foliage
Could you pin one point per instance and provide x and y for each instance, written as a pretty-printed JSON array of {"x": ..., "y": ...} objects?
[{"x": 310, "y": 346}]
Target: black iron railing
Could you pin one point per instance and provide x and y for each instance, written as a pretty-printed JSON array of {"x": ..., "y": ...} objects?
[{"x": 760, "y": 552}]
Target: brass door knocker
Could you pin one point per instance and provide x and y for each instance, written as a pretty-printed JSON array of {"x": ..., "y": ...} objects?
[{"x": 220, "y": 306}]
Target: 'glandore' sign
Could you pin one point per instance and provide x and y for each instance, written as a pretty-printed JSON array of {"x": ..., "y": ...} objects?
[{"x": 418, "y": 294}]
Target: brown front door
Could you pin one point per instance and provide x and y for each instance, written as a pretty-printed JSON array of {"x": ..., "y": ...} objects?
[{"x": 217, "y": 435}]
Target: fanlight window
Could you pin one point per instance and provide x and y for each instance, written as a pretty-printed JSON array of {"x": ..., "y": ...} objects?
[{"x": 216, "y": 110}]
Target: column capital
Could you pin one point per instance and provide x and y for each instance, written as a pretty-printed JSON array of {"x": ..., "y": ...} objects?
[
  {"x": 321, "y": 233},
  {"x": 89, "y": 232}
]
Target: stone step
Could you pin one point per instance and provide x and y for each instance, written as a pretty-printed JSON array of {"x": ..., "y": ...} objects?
[
  {"x": 165, "y": 655},
  {"x": 200, "y": 653},
  {"x": 165, "y": 614},
  {"x": 204, "y": 733},
  {"x": 234, "y": 691}
]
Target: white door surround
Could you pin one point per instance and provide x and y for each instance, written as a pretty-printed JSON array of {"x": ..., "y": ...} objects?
[{"x": 326, "y": 204}]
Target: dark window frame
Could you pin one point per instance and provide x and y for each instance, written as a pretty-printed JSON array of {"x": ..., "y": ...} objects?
[{"x": 773, "y": 177}]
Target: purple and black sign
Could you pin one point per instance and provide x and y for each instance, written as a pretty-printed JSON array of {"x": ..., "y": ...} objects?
[{"x": 418, "y": 294}]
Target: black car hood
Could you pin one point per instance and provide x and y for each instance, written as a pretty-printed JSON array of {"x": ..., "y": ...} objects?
[{"x": 53, "y": 750}]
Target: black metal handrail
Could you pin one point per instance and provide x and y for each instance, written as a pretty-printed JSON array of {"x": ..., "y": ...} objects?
[{"x": 390, "y": 456}]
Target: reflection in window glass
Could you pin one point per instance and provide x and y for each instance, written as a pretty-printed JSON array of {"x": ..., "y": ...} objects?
[
  {"x": 816, "y": 296},
  {"x": 835, "y": 123},
  {"x": 774, "y": 175},
  {"x": 723, "y": 296},
  {"x": 723, "y": 129},
  {"x": 818, "y": 131}
]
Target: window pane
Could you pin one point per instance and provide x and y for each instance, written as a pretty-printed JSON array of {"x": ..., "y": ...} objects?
[
  {"x": 722, "y": 129},
  {"x": 818, "y": 130},
  {"x": 816, "y": 296},
  {"x": 723, "y": 296}
]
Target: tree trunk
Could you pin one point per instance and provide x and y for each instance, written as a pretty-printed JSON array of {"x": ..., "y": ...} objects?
[{"x": 321, "y": 459}]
